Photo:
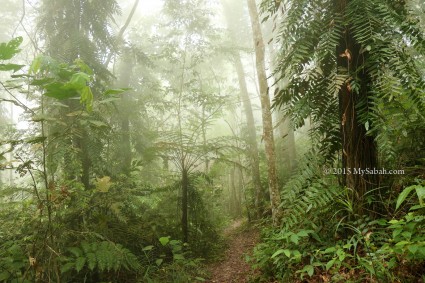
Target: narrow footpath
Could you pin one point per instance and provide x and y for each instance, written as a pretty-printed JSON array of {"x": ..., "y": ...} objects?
[{"x": 233, "y": 268}]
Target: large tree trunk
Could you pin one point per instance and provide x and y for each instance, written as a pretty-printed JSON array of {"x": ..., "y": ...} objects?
[
  {"x": 249, "y": 117},
  {"x": 266, "y": 113},
  {"x": 358, "y": 149}
]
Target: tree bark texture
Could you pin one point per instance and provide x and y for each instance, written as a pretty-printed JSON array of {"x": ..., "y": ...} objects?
[
  {"x": 266, "y": 112},
  {"x": 358, "y": 149}
]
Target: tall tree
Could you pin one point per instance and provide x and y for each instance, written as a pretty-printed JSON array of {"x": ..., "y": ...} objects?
[
  {"x": 355, "y": 56},
  {"x": 268, "y": 136},
  {"x": 247, "y": 106},
  {"x": 79, "y": 29},
  {"x": 188, "y": 52}
]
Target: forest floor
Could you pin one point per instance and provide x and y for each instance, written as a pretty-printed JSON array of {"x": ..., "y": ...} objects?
[{"x": 233, "y": 268}]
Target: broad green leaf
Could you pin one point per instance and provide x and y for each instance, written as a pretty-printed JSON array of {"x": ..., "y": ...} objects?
[
  {"x": 178, "y": 257},
  {"x": 56, "y": 90},
  {"x": 402, "y": 243},
  {"x": 309, "y": 269},
  {"x": 294, "y": 238},
  {"x": 281, "y": 251},
  {"x": 420, "y": 191},
  {"x": 78, "y": 81},
  {"x": 10, "y": 49},
  {"x": 413, "y": 248},
  {"x": 87, "y": 98},
  {"x": 36, "y": 64},
  {"x": 296, "y": 254},
  {"x": 115, "y": 91},
  {"x": 406, "y": 234},
  {"x": 303, "y": 233},
  {"x": 148, "y": 248},
  {"x": 330, "y": 264},
  {"x": 159, "y": 261},
  {"x": 83, "y": 66},
  {"x": 403, "y": 195},
  {"x": 11, "y": 67},
  {"x": 41, "y": 82},
  {"x": 164, "y": 240}
]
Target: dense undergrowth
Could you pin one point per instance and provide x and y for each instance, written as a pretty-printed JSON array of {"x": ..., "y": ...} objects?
[
  {"x": 325, "y": 238},
  {"x": 112, "y": 184}
]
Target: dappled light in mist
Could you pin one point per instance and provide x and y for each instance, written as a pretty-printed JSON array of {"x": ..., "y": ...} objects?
[{"x": 212, "y": 141}]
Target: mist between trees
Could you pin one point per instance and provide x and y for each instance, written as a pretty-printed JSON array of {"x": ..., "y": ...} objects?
[{"x": 133, "y": 132}]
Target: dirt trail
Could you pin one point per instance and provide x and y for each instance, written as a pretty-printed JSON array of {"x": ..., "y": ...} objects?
[{"x": 233, "y": 268}]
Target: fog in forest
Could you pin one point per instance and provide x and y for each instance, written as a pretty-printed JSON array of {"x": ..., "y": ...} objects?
[{"x": 212, "y": 141}]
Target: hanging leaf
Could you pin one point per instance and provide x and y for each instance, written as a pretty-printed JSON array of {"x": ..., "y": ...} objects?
[
  {"x": 83, "y": 66},
  {"x": 87, "y": 98},
  {"x": 57, "y": 91},
  {"x": 36, "y": 65},
  {"x": 10, "y": 67},
  {"x": 78, "y": 81},
  {"x": 403, "y": 195},
  {"x": 10, "y": 49},
  {"x": 115, "y": 91}
]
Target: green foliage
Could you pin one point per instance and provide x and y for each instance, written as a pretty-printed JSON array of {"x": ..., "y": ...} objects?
[
  {"x": 62, "y": 81},
  {"x": 308, "y": 193},
  {"x": 10, "y": 49},
  {"x": 13, "y": 262},
  {"x": 344, "y": 249},
  {"x": 387, "y": 84},
  {"x": 420, "y": 191},
  {"x": 99, "y": 256}
]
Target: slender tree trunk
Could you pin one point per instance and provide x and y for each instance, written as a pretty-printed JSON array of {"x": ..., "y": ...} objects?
[
  {"x": 358, "y": 149},
  {"x": 266, "y": 113},
  {"x": 204, "y": 138},
  {"x": 249, "y": 116},
  {"x": 185, "y": 189},
  {"x": 252, "y": 136},
  {"x": 285, "y": 141},
  {"x": 125, "y": 144}
]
